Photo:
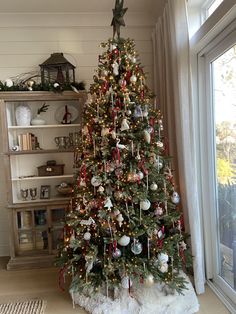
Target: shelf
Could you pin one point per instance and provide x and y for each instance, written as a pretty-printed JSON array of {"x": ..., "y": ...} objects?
[
  {"x": 39, "y": 201},
  {"x": 47, "y": 126},
  {"x": 40, "y": 151},
  {"x": 65, "y": 176}
]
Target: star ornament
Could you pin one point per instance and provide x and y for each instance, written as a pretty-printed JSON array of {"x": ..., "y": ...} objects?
[{"x": 118, "y": 17}]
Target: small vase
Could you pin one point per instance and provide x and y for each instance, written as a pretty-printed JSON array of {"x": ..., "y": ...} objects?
[
  {"x": 23, "y": 115},
  {"x": 38, "y": 120}
]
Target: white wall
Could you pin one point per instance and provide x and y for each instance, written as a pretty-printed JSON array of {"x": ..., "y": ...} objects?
[{"x": 26, "y": 40}]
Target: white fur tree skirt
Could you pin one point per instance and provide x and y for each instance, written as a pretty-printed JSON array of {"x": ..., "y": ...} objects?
[{"x": 154, "y": 300}]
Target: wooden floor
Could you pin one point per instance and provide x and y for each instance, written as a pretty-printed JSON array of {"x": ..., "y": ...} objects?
[{"x": 43, "y": 283}]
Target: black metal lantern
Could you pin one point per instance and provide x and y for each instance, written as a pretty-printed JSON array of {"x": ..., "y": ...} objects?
[{"x": 57, "y": 69}]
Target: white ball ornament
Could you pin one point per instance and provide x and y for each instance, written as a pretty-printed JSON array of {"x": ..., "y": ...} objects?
[
  {"x": 133, "y": 79},
  {"x": 145, "y": 204},
  {"x": 133, "y": 59},
  {"x": 124, "y": 240},
  {"x": 87, "y": 236},
  {"x": 126, "y": 283},
  {"x": 128, "y": 112},
  {"x": 153, "y": 186},
  {"x": 149, "y": 280}
]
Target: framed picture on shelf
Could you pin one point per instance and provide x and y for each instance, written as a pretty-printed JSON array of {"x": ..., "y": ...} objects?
[{"x": 45, "y": 191}]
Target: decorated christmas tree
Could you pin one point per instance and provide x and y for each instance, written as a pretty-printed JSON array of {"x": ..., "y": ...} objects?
[{"x": 124, "y": 225}]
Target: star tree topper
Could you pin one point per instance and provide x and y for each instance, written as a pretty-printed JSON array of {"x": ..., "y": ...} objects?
[{"x": 118, "y": 17}]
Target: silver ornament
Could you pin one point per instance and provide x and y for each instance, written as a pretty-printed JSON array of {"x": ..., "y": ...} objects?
[
  {"x": 96, "y": 181},
  {"x": 124, "y": 240},
  {"x": 153, "y": 186},
  {"x": 116, "y": 253},
  {"x": 136, "y": 247},
  {"x": 145, "y": 204},
  {"x": 87, "y": 236}
]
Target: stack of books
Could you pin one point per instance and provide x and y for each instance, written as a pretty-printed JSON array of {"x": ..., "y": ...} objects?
[{"x": 28, "y": 141}]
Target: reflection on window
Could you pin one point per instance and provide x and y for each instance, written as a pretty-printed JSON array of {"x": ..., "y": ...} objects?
[{"x": 224, "y": 96}]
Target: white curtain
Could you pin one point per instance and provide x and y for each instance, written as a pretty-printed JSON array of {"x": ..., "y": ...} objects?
[{"x": 172, "y": 80}]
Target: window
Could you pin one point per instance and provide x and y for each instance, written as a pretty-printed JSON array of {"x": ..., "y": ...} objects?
[{"x": 217, "y": 133}]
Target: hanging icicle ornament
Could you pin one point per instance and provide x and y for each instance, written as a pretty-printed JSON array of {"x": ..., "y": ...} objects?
[
  {"x": 145, "y": 204},
  {"x": 136, "y": 247},
  {"x": 124, "y": 125},
  {"x": 175, "y": 199},
  {"x": 124, "y": 240},
  {"x": 153, "y": 186}
]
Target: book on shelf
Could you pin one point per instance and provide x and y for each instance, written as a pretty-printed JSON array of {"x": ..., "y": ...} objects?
[{"x": 28, "y": 141}]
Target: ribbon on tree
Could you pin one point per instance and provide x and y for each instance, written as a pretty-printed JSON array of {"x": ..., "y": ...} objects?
[
  {"x": 61, "y": 278},
  {"x": 141, "y": 165},
  {"x": 116, "y": 154},
  {"x": 90, "y": 129}
]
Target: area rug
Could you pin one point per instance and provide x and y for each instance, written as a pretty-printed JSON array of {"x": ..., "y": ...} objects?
[
  {"x": 26, "y": 307},
  {"x": 154, "y": 300}
]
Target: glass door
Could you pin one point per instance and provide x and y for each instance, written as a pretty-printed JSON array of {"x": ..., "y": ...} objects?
[
  {"x": 224, "y": 108},
  {"x": 217, "y": 162}
]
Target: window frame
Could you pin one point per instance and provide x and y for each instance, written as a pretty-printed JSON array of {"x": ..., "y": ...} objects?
[{"x": 207, "y": 153}]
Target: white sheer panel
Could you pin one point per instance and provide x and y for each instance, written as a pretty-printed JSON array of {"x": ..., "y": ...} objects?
[{"x": 173, "y": 87}]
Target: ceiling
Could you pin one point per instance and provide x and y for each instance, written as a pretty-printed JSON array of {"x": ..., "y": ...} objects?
[{"x": 38, "y": 6}]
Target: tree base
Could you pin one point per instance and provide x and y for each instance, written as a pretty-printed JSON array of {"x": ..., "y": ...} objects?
[{"x": 142, "y": 300}]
